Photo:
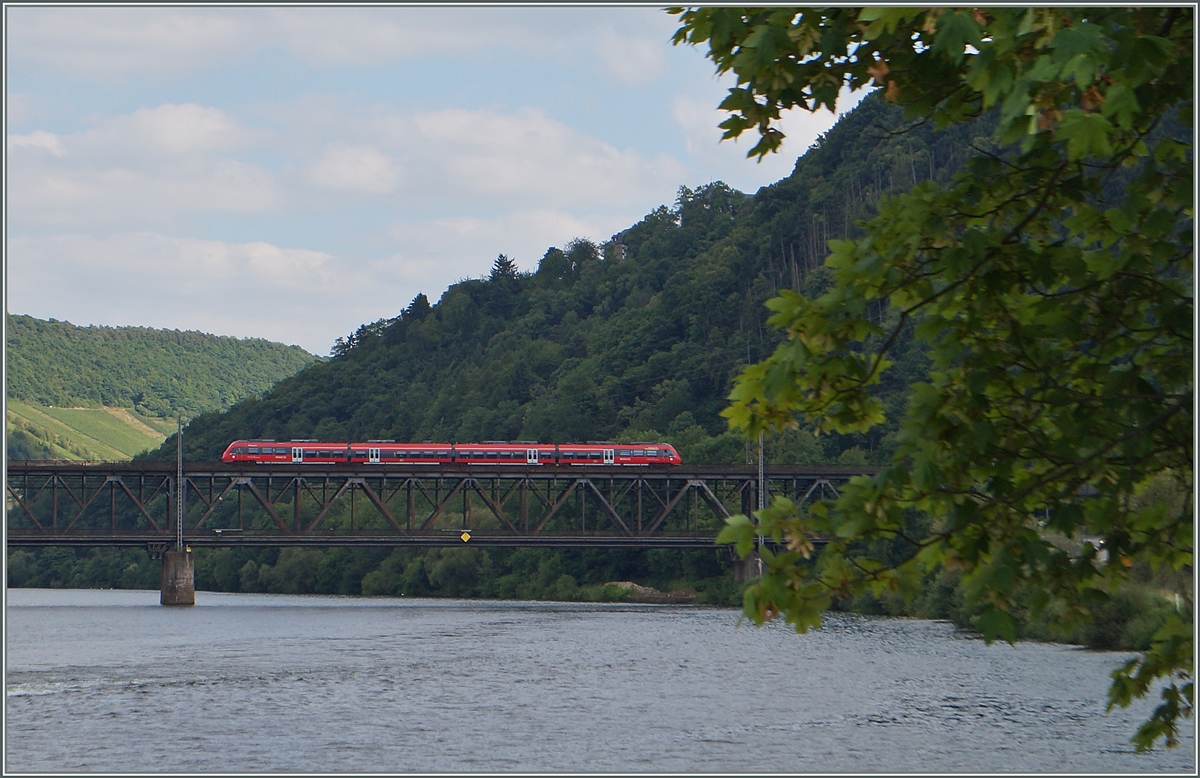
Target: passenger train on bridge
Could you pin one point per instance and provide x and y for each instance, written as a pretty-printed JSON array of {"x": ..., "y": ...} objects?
[{"x": 498, "y": 453}]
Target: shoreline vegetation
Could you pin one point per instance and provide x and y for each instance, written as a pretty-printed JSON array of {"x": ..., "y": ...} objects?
[{"x": 1126, "y": 621}]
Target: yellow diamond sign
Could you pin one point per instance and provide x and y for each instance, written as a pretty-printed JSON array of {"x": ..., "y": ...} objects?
[{"x": 465, "y": 536}]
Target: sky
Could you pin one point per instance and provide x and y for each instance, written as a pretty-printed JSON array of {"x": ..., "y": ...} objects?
[{"x": 291, "y": 173}]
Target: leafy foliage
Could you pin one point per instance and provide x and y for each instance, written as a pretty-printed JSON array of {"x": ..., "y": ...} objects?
[
  {"x": 1051, "y": 282},
  {"x": 579, "y": 575},
  {"x": 156, "y": 372}
]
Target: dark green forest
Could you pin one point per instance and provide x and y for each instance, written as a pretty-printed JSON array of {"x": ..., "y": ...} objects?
[
  {"x": 159, "y": 373},
  {"x": 635, "y": 338}
]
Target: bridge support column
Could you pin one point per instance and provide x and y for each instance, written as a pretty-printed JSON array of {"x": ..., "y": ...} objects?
[
  {"x": 178, "y": 582},
  {"x": 747, "y": 569}
]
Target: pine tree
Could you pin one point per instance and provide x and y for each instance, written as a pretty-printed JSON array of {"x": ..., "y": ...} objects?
[{"x": 503, "y": 267}]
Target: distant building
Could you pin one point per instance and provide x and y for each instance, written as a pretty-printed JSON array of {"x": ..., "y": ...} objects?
[{"x": 616, "y": 247}]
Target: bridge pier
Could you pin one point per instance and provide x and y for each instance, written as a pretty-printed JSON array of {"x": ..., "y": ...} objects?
[
  {"x": 747, "y": 569},
  {"x": 178, "y": 581}
]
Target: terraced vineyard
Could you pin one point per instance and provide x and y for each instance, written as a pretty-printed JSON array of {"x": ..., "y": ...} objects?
[{"x": 87, "y": 433}]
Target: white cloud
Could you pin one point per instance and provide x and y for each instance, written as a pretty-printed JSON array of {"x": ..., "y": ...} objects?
[
  {"x": 88, "y": 195},
  {"x": 356, "y": 169},
  {"x": 105, "y": 43},
  {"x": 372, "y": 37},
  {"x": 252, "y": 289},
  {"x": 630, "y": 42},
  {"x": 631, "y": 58},
  {"x": 113, "y": 42},
  {"x": 178, "y": 131},
  {"x": 184, "y": 129},
  {"x": 136, "y": 171},
  {"x": 38, "y": 139},
  {"x": 533, "y": 157}
]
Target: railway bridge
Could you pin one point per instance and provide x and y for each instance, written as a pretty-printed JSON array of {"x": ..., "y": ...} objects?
[{"x": 169, "y": 509}]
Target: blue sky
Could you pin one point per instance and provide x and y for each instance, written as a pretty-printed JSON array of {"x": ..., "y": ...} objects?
[{"x": 293, "y": 172}]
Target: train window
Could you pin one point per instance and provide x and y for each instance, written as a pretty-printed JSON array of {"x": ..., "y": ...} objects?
[
  {"x": 639, "y": 452},
  {"x": 254, "y": 449},
  {"x": 492, "y": 455},
  {"x": 624, "y": 452}
]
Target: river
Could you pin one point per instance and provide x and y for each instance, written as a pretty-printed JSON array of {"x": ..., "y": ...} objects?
[{"x": 109, "y": 681}]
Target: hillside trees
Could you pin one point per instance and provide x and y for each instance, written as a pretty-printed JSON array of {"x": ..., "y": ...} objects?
[
  {"x": 1051, "y": 282},
  {"x": 598, "y": 344},
  {"x": 157, "y": 372}
]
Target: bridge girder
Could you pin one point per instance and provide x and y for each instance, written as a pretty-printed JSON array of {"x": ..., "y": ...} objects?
[{"x": 58, "y": 504}]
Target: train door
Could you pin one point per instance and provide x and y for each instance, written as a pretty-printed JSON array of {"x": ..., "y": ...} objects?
[
  {"x": 608, "y": 456},
  {"x": 531, "y": 456},
  {"x": 297, "y": 454},
  {"x": 373, "y": 455}
]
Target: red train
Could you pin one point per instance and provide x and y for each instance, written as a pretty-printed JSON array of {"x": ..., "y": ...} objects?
[{"x": 389, "y": 452}]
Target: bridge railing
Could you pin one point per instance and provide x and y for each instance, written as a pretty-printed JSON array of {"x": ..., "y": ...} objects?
[{"x": 134, "y": 503}]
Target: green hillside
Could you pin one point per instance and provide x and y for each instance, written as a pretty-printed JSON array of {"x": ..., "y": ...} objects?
[
  {"x": 157, "y": 372},
  {"x": 113, "y": 392},
  {"x": 637, "y": 338}
]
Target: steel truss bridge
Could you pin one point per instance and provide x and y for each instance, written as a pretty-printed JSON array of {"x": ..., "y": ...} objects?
[{"x": 134, "y": 504}]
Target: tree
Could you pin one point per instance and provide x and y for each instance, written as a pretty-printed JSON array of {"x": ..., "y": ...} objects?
[
  {"x": 1051, "y": 283},
  {"x": 503, "y": 268}
]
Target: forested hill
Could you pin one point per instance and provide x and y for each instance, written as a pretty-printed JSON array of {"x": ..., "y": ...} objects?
[
  {"x": 158, "y": 373},
  {"x": 634, "y": 339}
]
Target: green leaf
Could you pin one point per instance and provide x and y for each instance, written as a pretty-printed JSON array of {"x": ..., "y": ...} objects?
[
  {"x": 1086, "y": 134},
  {"x": 995, "y": 623}
]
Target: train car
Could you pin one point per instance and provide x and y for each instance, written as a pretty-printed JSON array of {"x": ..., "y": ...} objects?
[
  {"x": 286, "y": 452},
  {"x": 389, "y": 452},
  {"x": 497, "y": 453}
]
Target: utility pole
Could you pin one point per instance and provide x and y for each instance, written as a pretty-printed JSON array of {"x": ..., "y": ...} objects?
[
  {"x": 762, "y": 489},
  {"x": 762, "y": 473}
]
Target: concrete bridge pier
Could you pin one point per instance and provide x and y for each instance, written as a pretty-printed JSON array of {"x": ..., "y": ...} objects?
[
  {"x": 178, "y": 582},
  {"x": 747, "y": 569}
]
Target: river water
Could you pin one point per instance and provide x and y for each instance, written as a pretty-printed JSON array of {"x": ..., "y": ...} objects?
[{"x": 109, "y": 681}]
